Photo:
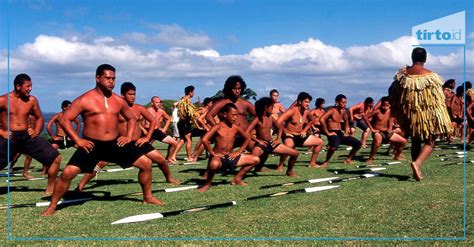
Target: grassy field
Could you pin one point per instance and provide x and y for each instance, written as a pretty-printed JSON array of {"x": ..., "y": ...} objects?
[{"x": 389, "y": 209}]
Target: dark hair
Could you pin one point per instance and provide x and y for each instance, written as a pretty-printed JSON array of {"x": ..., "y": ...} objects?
[
  {"x": 339, "y": 97},
  {"x": 448, "y": 82},
  {"x": 188, "y": 89},
  {"x": 230, "y": 84},
  {"x": 127, "y": 86},
  {"x": 65, "y": 103},
  {"x": 273, "y": 91},
  {"x": 103, "y": 67},
  {"x": 319, "y": 102},
  {"x": 304, "y": 95},
  {"x": 20, "y": 79},
  {"x": 206, "y": 101},
  {"x": 418, "y": 55},
  {"x": 468, "y": 84},
  {"x": 261, "y": 105},
  {"x": 460, "y": 91},
  {"x": 368, "y": 100},
  {"x": 385, "y": 99},
  {"x": 226, "y": 108}
]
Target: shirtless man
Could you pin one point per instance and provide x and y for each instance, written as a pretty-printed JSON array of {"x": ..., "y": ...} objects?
[
  {"x": 331, "y": 125},
  {"x": 100, "y": 109},
  {"x": 222, "y": 154},
  {"x": 263, "y": 144},
  {"x": 278, "y": 108},
  {"x": 357, "y": 113},
  {"x": 23, "y": 139},
  {"x": 234, "y": 87},
  {"x": 295, "y": 131},
  {"x": 159, "y": 133},
  {"x": 60, "y": 140},
  {"x": 382, "y": 132},
  {"x": 448, "y": 88},
  {"x": 317, "y": 112},
  {"x": 128, "y": 91}
]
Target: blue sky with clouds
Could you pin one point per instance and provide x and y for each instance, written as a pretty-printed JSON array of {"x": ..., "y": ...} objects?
[{"x": 322, "y": 47}]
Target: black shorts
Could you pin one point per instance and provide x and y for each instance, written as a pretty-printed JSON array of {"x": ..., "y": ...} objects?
[
  {"x": 64, "y": 143},
  {"x": 339, "y": 138},
  {"x": 184, "y": 127},
  {"x": 315, "y": 129},
  {"x": 228, "y": 164},
  {"x": 267, "y": 148},
  {"x": 386, "y": 135},
  {"x": 158, "y": 135},
  {"x": 20, "y": 142},
  {"x": 360, "y": 123},
  {"x": 105, "y": 151},
  {"x": 298, "y": 140},
  {"x": 145, "y": 148}
]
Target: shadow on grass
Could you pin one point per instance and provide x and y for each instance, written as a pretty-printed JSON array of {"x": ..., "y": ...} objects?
[
  {"x": 4, "y": 190},
  {"x": 100, "y": 183},
  {"x": 364, "y": 171}
]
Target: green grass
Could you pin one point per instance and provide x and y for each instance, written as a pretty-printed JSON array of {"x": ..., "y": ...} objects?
[{"x": 391, "y": 206}]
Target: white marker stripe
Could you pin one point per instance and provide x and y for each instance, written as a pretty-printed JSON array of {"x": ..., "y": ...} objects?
[
  {"x": 322, "y": 179},
  {"x": 181, "y": 188},
  {"x": 138, "y": 218},
  {"x": 321, "y": 188}
]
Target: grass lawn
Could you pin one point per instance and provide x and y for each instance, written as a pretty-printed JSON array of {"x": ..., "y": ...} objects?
[{"x": 389, "y": 209}]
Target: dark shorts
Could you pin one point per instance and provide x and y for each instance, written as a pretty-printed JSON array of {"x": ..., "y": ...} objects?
[
  {"x": 335, "y": 141},
  {"x": 315, "y": 129},
  {"x": 20, "y": 142},
  {"x": 228, "y": 164},
  {"x": 386, "y": 135},
  {"x": 457, "y": 120},
  {"x": 145, "y": 148},
  {"x": 106, "y": 151},
  {"x": 184, "y": 127},
  {"x": 64, "y": 143},
  {"x": 158, "y": 135},
  {"x": 359, "y": 123},
  {"x": 298, "y": 140},
  {"x": 267, "y": 148}
]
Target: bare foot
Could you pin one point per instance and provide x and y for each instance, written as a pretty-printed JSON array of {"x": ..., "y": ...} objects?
[
  {"x": 347, "y": 161},
  {"x": 364, "y": 145},
  {"x": 292, "y": 174},
  {"x": 401, "y": 157},
  {"x": 280, "y": 168},
  {"x": 370, "y": 161},
  {"x": 48, "y": 212},
  {"x": 174, "y": 181},
  {"x": 204, "y": 176},
  {"x": 313, "y": 165},
  {"x": 204, "y": 188},
  {"x": 264, "y": 169},
  {"x": 238, "y": 182},
  {"x": 416, "y": 171},
  {"x": 152, "y": 200},
  {"x": 324, "y": 165},
  {"x": 28, "y": 176}
]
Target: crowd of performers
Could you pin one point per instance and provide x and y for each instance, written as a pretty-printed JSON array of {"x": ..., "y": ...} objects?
[{"x": 233, "y": 131}]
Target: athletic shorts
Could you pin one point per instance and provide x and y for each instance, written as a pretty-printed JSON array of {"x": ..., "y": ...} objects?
[
  {"x": 105, "y": 151},
  {"x": 359, "y": 123},
  {"x": 315, "y": 129},
  {"x": 20, "y": 142},
  {"x": 298, "y": 140},
  {"x": 64, "y": 143},
  {"x": 267, "y": 148},
  {"x": 339, "y": 138},
  {"x": 158, "y": 135},
  {"x": 145, "y": 148},
  {"x": 184, "y": 128},
  {"x": 228, "y": 164},
  {"x": 386, "y": 135}
]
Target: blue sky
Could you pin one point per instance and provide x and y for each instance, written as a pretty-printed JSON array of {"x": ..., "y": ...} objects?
[{"x": 322, "y": 47}]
